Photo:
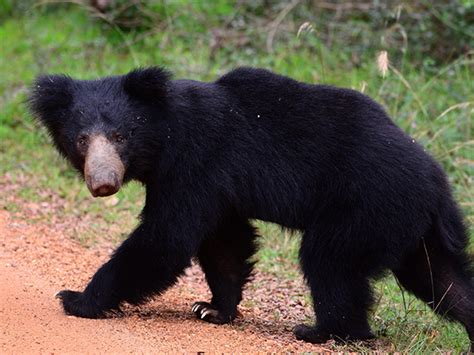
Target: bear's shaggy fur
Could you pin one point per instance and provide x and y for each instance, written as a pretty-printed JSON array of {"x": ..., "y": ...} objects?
[{"x": 326, "y": 161}]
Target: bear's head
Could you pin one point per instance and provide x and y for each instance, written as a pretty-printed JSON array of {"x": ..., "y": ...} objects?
[{"x": 102, "y": 126}]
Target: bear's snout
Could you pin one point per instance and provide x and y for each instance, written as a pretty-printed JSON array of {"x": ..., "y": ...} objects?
[
  {"x": 103, "y": 184},
  {"x": 103, "y": 168}
]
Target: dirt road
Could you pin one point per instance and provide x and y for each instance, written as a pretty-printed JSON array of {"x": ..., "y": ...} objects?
[{"x": 36, "y": 261}]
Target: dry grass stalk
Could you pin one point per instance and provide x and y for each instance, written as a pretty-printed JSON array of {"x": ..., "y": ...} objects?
[{"x": 382, "y": 63}]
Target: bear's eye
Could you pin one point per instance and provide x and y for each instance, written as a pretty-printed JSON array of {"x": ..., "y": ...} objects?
[
  {"x": 82, "y": 141},
  {"x": 119, "y": 138}
]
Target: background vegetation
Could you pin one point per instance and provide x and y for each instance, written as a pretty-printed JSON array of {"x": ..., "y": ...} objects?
[{"x": 428, "y": 90}]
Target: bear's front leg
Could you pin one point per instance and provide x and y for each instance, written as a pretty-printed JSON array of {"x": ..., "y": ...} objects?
[
  {"x": 97, "y": 300},
  {"x": 147, "y": 263}
]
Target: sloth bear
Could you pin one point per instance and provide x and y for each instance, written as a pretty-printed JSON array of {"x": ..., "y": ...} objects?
[{"x": 325, "y": 161}]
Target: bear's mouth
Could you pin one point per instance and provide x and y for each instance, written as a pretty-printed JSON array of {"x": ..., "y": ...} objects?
[{"x": 103, "y": 168}]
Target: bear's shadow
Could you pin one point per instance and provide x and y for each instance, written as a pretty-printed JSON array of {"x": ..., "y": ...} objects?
[{"x": 256, "y": 325}]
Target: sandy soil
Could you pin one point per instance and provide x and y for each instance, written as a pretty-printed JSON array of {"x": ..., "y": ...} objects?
[{"x": 37, "y": 260}]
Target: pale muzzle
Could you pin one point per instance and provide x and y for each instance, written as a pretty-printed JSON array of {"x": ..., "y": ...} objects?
[{"x": 103, "y": 168}]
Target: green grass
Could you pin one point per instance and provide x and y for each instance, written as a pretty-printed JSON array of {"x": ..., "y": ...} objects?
[{"x": 435, "y": 107}]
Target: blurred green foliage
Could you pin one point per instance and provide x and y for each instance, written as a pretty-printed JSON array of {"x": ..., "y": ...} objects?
[{"x": 430, "y": 32}]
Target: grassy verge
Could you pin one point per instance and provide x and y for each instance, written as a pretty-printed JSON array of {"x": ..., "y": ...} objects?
[{"x": 436, "y": 108}]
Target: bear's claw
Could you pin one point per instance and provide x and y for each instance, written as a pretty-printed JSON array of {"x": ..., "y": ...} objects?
[{"x": 207, "y": 312}]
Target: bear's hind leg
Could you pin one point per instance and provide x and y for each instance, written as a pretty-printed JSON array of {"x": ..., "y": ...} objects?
[
  {"x": 443, "y": 281},
  {"x": 341, "y": 293},
  {"x": 224, "y": 258}
]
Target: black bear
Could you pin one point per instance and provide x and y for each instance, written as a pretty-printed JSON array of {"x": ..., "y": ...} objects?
[{"x": 326, "y": 161}]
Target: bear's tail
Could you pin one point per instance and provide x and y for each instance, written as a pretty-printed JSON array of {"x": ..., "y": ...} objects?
[{"x": 449, "y": 229}]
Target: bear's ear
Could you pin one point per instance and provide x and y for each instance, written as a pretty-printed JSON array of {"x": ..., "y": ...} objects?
[
  {"x": 50, "y": 96},
  {"x": 147, "y": 84}
]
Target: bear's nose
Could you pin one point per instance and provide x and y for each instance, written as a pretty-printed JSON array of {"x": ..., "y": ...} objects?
[
  {"x": 105, "y": 190},
  {"x": 103, "y": 184}
]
